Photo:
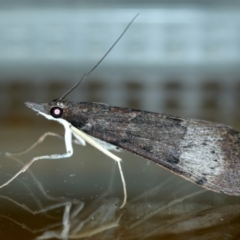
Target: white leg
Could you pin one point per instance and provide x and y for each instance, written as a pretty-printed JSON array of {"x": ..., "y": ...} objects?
[
  {"x": 41, "y": 139},
  {"x": 78, "y": 133},
  {"x": 69, "y": 149}
]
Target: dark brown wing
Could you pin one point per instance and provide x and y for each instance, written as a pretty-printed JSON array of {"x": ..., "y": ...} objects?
[{"x": 203, "y": 152}]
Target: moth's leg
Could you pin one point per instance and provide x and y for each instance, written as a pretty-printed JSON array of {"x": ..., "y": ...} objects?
[
  {"x": 69, "y": 152},
  {"x": 78, "y": 133},
  {"x": 40, "y": 140}
]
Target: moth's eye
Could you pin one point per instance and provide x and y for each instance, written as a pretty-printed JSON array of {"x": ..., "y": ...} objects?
[{"x": 56, "y": 112}]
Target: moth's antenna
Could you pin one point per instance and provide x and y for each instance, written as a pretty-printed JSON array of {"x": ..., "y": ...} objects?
[{"x": 87, "y": 74}]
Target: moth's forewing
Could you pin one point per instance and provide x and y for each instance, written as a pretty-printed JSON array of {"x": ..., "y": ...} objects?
[{"x": 204, "y": 152}]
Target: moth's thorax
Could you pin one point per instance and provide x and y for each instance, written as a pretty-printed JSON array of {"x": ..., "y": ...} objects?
[{"x": 78, "y": 114}]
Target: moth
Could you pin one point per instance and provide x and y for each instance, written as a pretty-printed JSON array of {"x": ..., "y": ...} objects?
[{"x": 203, "y": 152}]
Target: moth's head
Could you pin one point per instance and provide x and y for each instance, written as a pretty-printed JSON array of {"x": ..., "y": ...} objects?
[{"x": 53, "y": 110}]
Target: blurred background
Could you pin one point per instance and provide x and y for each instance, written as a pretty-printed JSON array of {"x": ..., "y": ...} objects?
[{"x": 179, "y": 57}]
